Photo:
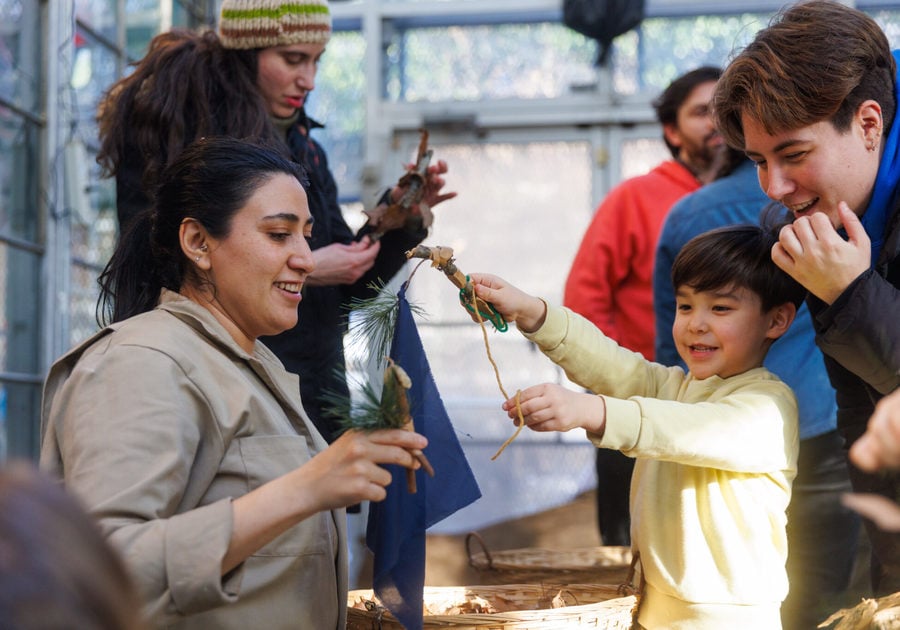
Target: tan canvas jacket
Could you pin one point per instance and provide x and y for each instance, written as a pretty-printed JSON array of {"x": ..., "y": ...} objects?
[{"x": 156, "y": 424}]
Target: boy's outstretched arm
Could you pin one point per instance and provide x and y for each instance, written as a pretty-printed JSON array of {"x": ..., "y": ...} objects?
[
  {"x": 514, "y": 304},
  {"x": 551, "y": 407}
]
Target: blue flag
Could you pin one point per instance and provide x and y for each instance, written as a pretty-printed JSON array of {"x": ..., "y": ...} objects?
[{"x": 396, "y": 528}]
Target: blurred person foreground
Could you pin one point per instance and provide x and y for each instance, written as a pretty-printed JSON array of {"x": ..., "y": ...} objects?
[{"x": 56, "y": 569}]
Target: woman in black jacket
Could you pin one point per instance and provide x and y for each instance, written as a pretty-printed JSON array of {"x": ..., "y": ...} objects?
[{"x": 250, "y": 80}]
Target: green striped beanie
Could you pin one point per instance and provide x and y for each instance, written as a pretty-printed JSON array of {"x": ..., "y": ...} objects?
[{"x": 265, "y": 23}]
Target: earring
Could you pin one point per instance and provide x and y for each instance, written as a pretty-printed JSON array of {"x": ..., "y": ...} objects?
[{"x": 197, "y": 259}]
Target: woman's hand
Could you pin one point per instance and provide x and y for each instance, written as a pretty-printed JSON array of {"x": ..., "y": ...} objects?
[
  {"x": 345, "y": 473},
  {"x": 878, "y": 449},
  {"x": 434, "y": 183},
  {"x": 343, "y": 264},
  {"x": 349, "y": 470}
]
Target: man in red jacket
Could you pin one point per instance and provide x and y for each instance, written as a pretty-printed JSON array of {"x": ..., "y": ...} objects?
[{"x": 610, "y": 281}]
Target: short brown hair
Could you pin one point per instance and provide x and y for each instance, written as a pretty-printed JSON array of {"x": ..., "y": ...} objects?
[{"x": 816, "y": 61}]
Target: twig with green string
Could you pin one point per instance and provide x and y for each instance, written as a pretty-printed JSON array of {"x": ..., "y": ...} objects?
[{"x": 442, "y": 259}]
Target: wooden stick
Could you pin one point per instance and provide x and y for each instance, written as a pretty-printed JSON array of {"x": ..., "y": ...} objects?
[{"x": 402, "y": 383}]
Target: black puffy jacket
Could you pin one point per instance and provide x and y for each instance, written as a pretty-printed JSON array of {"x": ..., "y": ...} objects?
[{"x": 860, "y": 336}]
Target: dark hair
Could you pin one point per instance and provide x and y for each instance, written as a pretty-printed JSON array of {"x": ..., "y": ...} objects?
[
  {"x": 209, "y": 182},
  {"x": 738, "y": 256},
  {"x": 673, "y": 97},
  {"x": 186, "y": 87},
  {"x": 817, "y": 61},
  {"x": 56, "y": 569}
]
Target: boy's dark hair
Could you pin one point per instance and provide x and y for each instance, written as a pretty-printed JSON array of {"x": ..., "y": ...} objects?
[
  {"x": 738, "y": 256},
  {"x": 673, "y": 97}
]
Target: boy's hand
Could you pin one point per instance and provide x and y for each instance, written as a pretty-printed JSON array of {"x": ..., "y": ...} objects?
[
  {"x": 551, "y": 407},
  {"x": 515, "y": 305}
]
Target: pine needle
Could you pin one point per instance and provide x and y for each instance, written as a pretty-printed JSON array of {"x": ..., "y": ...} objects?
[
  {"x": 375, "y": 409},
  {"x": 375, "y": 320}
]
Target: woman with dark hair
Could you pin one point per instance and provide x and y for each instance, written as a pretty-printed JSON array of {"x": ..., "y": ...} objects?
[
  {"x": 251, "y": 80},
  {"x": 184, "y": 436},
  {"x": 186, "y": 87}
]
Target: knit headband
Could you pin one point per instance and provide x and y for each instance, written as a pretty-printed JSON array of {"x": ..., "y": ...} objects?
[{"x": 264, "y": 23}]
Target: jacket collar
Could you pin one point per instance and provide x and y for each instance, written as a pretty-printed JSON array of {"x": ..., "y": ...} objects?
[{"x": 200, "y": 319}]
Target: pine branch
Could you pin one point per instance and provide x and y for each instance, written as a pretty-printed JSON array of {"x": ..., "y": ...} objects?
[
  {"x": 375, "y": 410},
  {"x": 376, "y": 319}
]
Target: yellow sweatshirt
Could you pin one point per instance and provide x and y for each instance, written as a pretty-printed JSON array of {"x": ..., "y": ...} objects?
[{"x": 715, "y": 459}]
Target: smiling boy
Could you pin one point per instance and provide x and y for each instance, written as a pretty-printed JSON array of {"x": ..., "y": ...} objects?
[{"x": 715, "y": 447}]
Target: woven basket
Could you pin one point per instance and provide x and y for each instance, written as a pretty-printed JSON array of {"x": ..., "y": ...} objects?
[
  {"x": 590, "y": 565},
  {"x": 510, "y": 607},
  {"x": 869, "y": 614}
]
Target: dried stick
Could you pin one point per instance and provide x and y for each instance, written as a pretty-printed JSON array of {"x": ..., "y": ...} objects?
[
  {"x": 395, "y": 214},
  {"x": 396, "y": 377}
]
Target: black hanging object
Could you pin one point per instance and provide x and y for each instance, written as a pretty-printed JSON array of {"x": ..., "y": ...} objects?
[{"x": 602, "y": 20}]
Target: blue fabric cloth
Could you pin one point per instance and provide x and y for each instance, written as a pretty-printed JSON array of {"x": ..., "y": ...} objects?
[
  {"x": 396, "y": 527},
  {"x": 795, "y": 357},
  {"x": 884, "y": 194}
]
